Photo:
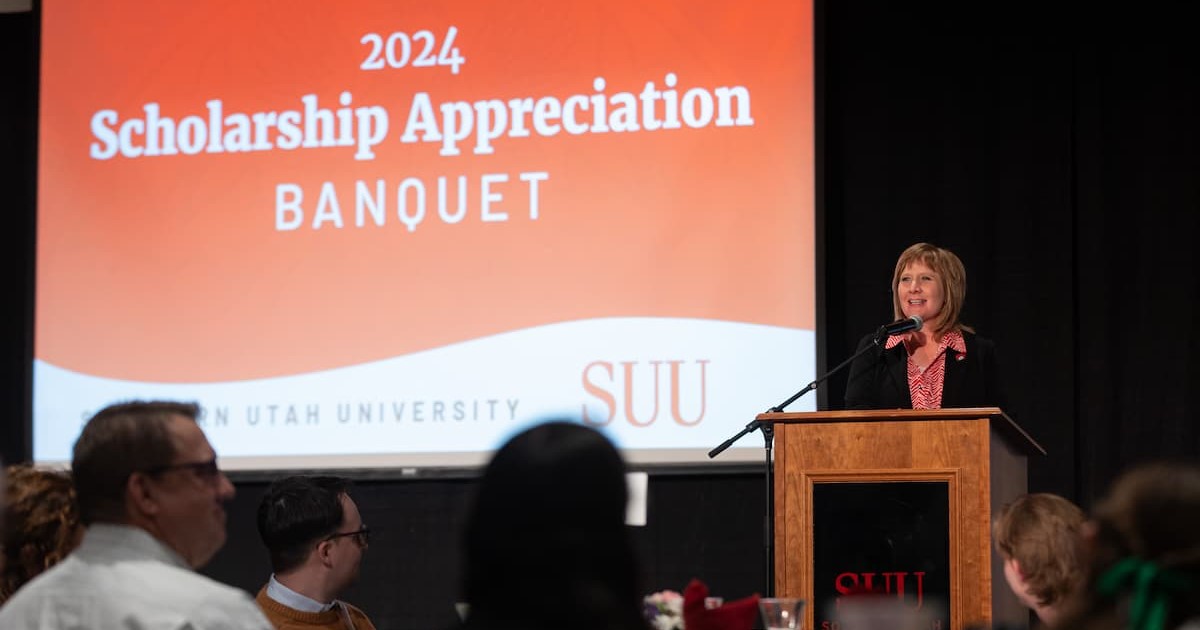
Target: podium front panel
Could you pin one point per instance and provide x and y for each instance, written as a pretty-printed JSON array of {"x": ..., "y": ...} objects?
[
  {"x": 851, "y": 449},
  {"x": 882, "y": 541}
]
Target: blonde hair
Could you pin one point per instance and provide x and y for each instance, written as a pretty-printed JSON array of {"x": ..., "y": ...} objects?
[
  {"x": 952, "y": 275},
  {"x": 1043, "y": 533}
]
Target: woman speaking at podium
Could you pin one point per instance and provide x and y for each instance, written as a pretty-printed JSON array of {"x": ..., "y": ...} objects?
[{"x": 943, "y": 363}]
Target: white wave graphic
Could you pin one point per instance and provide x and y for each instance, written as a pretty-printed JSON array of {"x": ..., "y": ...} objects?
[{"x": 470, "y": 396}]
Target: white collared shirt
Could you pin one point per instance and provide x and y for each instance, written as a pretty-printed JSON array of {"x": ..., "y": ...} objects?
[
  {"x": 296, "y": 601},
  {"x": 122, "y": 577}
]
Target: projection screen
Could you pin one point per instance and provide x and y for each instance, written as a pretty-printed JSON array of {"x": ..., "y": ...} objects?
[{"x": 377, "y": 234}]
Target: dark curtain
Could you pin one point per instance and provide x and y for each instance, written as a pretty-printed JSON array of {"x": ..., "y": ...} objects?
[
  {"x": 1056, "y": 152},
  {"x": 956, "y": 129},
  {"x": 18, "y": 115},
  {"x": 1137, "y": 270}
]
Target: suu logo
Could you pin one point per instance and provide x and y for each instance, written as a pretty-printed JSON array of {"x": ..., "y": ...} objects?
[
  {"x": 887, "y": 582},
  {"x": 628, "y": 388}
]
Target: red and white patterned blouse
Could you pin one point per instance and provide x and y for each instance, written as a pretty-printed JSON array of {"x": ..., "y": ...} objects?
[{"x": 925, "y": 387}]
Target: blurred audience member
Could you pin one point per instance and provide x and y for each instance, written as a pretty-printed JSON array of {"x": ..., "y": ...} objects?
[
  {"x": 1039, "y": 537},
  {"x": 316, "y": 538},
  {"x": 546, "y": 543},
  {"x": 1142, "y": 554},
  {"x": 149, "y": 490},
  {"x": 43, "y": 524}
]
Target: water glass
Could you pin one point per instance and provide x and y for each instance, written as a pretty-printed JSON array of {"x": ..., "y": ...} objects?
[{"x": 782, "y": 613}]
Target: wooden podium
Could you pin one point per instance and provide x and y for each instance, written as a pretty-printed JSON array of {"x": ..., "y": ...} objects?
[{"x": 974, "y": 458}]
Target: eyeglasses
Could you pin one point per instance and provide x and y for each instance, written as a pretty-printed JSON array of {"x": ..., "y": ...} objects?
[
  {"x": 204, "y": 470},
  {"x": 362, "y": 536}
]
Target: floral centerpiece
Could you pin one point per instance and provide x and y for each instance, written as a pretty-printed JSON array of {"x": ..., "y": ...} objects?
[{"x": 664, "y": 610}]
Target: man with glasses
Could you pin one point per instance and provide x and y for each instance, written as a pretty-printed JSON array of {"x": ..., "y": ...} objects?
[
  {"x": 149, "y": 490},
  {"x": 316, "y": 539}
]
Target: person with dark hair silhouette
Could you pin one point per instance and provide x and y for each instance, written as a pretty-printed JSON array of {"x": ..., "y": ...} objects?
[
  {"x": 1142, "y": 554},
  {"x": 546, "y": 541},
  {"x": 316, "y": 538}
]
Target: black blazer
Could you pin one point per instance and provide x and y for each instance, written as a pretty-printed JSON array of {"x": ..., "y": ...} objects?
[{"x": 879, "y": 378}]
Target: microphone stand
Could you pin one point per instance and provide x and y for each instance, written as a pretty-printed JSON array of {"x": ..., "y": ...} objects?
[{"x": 768, "y": 432}]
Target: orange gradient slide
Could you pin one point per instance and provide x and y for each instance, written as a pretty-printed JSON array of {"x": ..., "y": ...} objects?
[{"x": 234, "y": 191}]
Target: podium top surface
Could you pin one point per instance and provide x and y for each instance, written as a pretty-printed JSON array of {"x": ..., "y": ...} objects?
[{"x": 994, "y": 415}]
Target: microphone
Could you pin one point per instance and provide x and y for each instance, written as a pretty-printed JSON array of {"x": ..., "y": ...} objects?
[
  {"x": 901, "y": 326},
  {"x": 896, "y": 327}
]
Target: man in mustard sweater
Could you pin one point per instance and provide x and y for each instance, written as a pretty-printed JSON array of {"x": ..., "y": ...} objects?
[{"x": 316, "y": 538}]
